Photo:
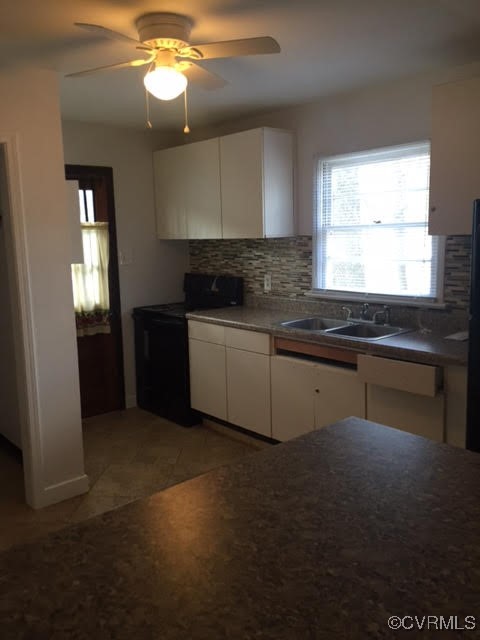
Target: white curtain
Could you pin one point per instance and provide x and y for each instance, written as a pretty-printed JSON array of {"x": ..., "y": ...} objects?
[{"x": 90, "y": 281}]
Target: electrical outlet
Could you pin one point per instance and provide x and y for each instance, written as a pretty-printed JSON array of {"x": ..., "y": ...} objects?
[{"x": 267, "y": 282}]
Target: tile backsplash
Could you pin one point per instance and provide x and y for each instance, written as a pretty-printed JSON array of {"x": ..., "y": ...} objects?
[
  {"x": 289, "y": 261},
  {"x": 458, "y": 251}
]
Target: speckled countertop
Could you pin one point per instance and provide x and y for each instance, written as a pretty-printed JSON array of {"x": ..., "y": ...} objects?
[
  {"x": 429, "y": 348},
  {"x": 325, "y": 536}
]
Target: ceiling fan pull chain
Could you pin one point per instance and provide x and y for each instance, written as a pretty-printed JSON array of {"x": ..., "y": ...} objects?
[
  {"x": 147, "y": 109},
  {"x": 186, "y": 128}
]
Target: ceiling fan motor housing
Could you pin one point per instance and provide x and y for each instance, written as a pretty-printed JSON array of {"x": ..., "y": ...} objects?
[{"x": 164, "y": 30}]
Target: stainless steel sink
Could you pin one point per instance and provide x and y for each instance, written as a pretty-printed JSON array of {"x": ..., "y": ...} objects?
[
  {"x": 364, "y": 331},
  {"x": 315, "y": 324}
]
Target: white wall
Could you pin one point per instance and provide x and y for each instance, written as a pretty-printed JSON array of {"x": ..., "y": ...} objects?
[
  {"x": 388, "y": 114},
  {"x": 10, "y": 423},
  {"x": 155, "y": 274},
  {"x": 50, "y": 402}
]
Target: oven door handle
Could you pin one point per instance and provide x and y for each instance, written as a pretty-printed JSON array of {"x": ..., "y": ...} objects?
[{"x": 167, "y": 322}]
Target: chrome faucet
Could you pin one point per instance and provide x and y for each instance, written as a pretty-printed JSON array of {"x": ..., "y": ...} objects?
[
  {"x": 364, "y": 311},
  {"x": 348, "y": 311},
  {"x": 382, "y": 316}
]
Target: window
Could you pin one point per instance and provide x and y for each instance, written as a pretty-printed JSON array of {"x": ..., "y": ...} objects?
[
  {"x": 90, "y": 278},
  {"x": 371, "y": 235}
]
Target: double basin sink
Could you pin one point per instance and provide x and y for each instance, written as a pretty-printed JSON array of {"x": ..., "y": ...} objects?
[{"x": 359, "y": 330}]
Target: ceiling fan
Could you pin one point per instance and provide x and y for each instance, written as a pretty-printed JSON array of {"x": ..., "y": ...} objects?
[{"x": 165, "y": 40}]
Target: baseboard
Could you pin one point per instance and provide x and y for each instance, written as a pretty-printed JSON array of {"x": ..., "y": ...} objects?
[
  {"x": 130, "y": 401},
  {"x": 59, "y": 492},
  {"x": 236, "y": 434}
]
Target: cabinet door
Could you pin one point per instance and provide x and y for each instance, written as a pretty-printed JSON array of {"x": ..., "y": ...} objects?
[
  {"x": 170, "y": 202},
  {"x": 241, "y": 165},
  {"x": 293, "y": 383},
  {"x": 248, "y": 390},
  {"x": 455, "y": 160},
  {"x": 338, "y": 394},
  {"x": 208, "y": 392},
  {"x": 456, "y": 409},
  {"x": 410, "y": 412},
  {"x": 201, "y": 182},
  {"x": 278, "y": 183}
]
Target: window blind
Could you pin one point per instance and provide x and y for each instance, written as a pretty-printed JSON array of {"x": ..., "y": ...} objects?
[{"x": 371, "y": 224}]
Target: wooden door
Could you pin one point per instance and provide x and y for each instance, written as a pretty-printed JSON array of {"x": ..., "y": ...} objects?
[{"x": 100, "y": 356}]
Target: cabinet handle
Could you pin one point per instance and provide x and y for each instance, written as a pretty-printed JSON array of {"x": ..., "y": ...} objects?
[
  {"x": 317, "y": 390},
  {"x": 433, "y": 209}
]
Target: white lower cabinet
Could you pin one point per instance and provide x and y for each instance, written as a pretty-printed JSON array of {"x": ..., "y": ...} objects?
[
  {"x": 456, "y": 409},
  {"x": 338, "y": 394},
  {"x": 248, "y": 390},
  {"x": 420, "y": 415},
  {"x": 309, "y": 395},
  {"x": 230, "y": 375},
  {"x": 293, "y": 397},
  {"x": 208, "y": 386},
  {"x": 234, "y": 377},
  {"x": 404, "y": 395}
]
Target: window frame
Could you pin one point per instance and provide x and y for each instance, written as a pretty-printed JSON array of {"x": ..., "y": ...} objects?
[{"x": 335, "y": 294}]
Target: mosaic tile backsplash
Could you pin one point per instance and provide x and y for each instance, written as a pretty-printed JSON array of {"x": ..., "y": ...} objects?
[{"x": 289, "y": 261}]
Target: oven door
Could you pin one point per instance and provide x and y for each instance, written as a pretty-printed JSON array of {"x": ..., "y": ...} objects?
[{"x": 163, "y": 371}]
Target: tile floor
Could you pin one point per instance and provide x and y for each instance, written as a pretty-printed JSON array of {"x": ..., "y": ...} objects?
[{"x": 128, "y": 455}]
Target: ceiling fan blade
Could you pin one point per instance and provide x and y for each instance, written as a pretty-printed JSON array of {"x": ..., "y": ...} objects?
[
  {"x": 107, "y": 33},
  {"x": 109, "y": 67},
  {"x": 233, "y": 48},
  {"x": 205, "y": 79}
]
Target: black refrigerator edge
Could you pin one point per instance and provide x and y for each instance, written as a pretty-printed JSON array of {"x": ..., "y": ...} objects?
[{"x": 473, "y": 385}]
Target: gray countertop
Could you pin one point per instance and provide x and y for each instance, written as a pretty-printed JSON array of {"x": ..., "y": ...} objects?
[
  {"x": 426, "y": 348},
  {"x": 325, "y": 536}
]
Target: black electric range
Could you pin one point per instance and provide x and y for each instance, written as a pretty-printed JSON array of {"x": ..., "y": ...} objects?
[{"x": 161, "y": 345}]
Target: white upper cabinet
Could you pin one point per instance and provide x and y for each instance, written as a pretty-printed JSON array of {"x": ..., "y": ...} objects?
[
  {"x": 170, "y": 201},
  {"x": 256, "y": 170},
  {"x": 187, "y": 191},
  {"x": 455, "y": 160},
  {"x": 202, "y": 190},
  {"x": 237, "y": 186}
]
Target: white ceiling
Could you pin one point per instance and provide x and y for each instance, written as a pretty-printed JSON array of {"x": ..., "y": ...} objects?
[{"x": 328, "y": 46}]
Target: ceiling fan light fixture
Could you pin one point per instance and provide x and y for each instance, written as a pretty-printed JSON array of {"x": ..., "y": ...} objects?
[{"x": 165, "y": 83}]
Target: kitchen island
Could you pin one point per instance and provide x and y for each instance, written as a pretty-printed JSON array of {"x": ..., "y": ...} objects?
[{"x": 325, "y": 536}]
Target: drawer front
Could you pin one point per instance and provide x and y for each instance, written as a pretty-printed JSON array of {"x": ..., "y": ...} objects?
[
  {"x": 207, "y": 332},
  {"x": 248, "y": 340},
  {"x": 420, "y": 379}
]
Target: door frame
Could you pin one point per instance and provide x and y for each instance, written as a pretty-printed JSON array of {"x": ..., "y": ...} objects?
[
  {"x": 79, "y": 172},
  {"x": 24, "y": 330}
]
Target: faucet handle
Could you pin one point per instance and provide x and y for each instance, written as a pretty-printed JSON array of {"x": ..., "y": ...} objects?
[
  {"x": 364, "y": 311},
  {"x": 382, "y": 313},
  {"x": 386, "y": 312}
]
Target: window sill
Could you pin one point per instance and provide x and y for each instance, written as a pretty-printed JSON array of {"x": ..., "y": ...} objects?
[{"x": 376, "y": 299}]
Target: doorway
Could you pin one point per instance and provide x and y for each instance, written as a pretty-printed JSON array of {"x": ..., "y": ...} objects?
[
  {"x": 10, "y": 424},
  {"x": 97, "y": 301}
]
